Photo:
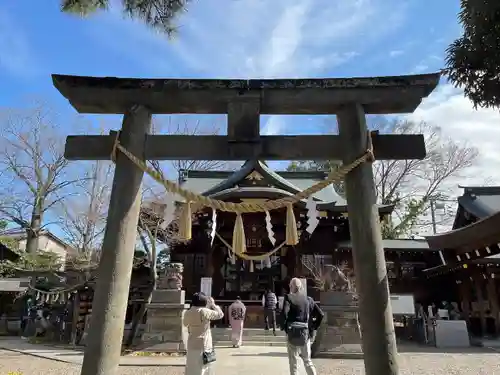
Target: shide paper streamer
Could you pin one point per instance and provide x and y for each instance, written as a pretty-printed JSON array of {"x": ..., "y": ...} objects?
[
  {"x": 214, "y": 226},
  {"x": 169, "y": 212},
  {"x": 312, "y": 215}
]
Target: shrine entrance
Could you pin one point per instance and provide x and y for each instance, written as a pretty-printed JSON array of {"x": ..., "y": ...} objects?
[{"x": 350, "y": 99}]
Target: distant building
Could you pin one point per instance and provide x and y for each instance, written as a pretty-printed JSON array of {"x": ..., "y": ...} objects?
[{"x": 47, "y": 242}]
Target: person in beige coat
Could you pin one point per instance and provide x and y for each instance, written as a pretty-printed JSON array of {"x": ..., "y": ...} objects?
[{"x": 197, "y": 320}]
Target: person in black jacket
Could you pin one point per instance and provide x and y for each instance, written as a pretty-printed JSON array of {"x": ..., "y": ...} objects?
[
  {"x": 270, "y": 302},
  {"x": 301, "y": 318}
]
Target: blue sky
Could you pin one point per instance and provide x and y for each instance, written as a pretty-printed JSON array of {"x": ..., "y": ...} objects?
[
  {"x": 248, "y": 39},
  {"x": 224, "y": 38}
]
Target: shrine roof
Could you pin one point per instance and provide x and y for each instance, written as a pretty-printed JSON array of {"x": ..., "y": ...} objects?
[
  {"x": 481, "y": 234},
  {"x": 211, "y": 182},
  {"x": 416, "y": 245},
  {"x": 476, "y": 222},
  {"x": 378, "y": 95},
  {"x": 256, "y": 180},
  {"x": 481, "y": 201}
]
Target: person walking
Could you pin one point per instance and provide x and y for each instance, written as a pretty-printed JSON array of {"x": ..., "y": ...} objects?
[
  {"x": 301, "y": 317},
  {"x": 237, "y": 312},
  {"x": 270, "y": 302},
  {"x": 200, "y": 352}
]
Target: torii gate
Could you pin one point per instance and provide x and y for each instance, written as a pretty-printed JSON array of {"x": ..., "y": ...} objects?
[{"x": 243, "y": 101}]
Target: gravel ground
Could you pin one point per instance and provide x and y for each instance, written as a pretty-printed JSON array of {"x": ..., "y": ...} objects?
[{"x": 478, "y": 363}]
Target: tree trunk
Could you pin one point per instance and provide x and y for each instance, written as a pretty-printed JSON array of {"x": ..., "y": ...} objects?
[{"x": 33, "y": 232}]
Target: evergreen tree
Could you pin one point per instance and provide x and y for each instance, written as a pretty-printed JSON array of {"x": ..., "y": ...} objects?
[
  {"x": 158, "y": 14},
  {"x": 473, "y": 60}
]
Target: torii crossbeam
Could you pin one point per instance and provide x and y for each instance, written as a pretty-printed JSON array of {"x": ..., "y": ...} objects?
[{"x": 243, "y": 101}]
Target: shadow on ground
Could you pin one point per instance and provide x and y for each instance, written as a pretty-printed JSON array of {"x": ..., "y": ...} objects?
[
  {"x": 263, "y": 354},
  {"x": 432, "y": 349}
]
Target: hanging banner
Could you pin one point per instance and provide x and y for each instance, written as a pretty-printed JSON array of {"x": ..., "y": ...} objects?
[{"x": 206, "y": 286}]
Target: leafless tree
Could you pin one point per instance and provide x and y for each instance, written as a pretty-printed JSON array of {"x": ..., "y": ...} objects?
[
  {"x": 180, "y": 125},
  {"x": 83, "y": 215},
  {"x": 412, "y": 184},
  {"x": 193, "y": 128},
  {"x": 34, "y": 177}
]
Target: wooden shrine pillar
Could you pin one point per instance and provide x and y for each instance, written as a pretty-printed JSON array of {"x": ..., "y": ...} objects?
[
  {"x": 478, "y": 286},
  {"x": 465, "y": 288},
  {"x": 103, "y": 348},
  {"x": 375, "y": 314},
  {"x": 491, "y": 288}
]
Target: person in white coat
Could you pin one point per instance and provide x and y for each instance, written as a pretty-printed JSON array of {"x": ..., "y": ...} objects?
[{"x": 199, "y": 343}]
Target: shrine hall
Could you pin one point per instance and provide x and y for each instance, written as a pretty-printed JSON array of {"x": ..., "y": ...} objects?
[{"x": 329, "y": 243}]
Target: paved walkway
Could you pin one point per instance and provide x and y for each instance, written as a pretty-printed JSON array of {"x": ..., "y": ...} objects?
[
  {"x": 31, "y": 359},
  {"x": 229, "y": 360}
]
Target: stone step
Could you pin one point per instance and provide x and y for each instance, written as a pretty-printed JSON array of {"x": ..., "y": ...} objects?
[
  {"x": 250, "y": 332},
  {"x": 229, "y": 344},
  {"x": 251, "y": 339}
]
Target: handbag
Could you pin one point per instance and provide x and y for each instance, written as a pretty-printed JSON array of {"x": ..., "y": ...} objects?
[{"x": 208, "y": 356}]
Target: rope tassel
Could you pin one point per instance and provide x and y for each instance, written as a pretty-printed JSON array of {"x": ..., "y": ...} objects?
[
  {"x": 292, "y": 236},
  {"x": 239, "y": 241},
  {"x": 185, "y": 222}
]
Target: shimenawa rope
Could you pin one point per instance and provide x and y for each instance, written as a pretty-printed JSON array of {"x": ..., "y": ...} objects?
[{"x": 239, "y": 242}]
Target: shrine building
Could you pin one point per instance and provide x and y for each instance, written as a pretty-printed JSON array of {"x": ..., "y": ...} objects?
[
  {"x": 471, "y": 262},
  {"x": 328, "y": 244}
]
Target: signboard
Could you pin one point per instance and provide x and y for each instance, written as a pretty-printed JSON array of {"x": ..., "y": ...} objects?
[
  {"x": 402, "y": 304},
  {"x": 206, "y": 286}
]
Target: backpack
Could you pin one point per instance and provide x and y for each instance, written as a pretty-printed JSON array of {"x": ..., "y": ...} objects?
[{"x": 298, "y": 332}]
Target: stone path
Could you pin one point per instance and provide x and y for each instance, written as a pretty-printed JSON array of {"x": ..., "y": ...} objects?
[
  {"x": 229, "y": 361},
  {"x": 41, "y": 360}
]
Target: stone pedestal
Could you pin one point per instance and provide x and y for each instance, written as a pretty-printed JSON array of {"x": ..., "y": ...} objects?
[
  {"x": 339, "y": 333},
  {"x": 164, "y": 330}
]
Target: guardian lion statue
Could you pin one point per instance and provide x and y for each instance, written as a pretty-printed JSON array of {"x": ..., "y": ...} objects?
[{"x": 173, "y": 276}]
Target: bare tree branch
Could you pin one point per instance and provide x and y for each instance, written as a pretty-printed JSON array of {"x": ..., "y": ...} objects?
[
  {"x": 83, "y": 216},
  {"x": 32, "y": 161},
  {"x": 411, "y": 184}
]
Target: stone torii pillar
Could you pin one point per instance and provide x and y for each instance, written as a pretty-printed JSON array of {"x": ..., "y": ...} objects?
[{"x": 244, "y": 101}]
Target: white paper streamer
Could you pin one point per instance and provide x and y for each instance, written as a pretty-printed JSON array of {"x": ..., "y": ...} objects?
[
  {"x": 169, "y": 212},
  {"x": 214, "y": 225},
  {"x": 267, "y": 262},
  {"x": 269, "y": 227},
  {"x": 312, "y": 215}
]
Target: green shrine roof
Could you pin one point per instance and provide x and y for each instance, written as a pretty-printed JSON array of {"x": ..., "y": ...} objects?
[{"x": 256, "y": 180}]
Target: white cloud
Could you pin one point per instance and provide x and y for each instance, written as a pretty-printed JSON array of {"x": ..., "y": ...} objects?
[
  {"x": 274, "y": 125},
  {"x": 16, "y": 55},
  {"x": 449, "y": 109},
  {"x": 255, "y": 38},
  {"x": 396, "y": 53}
]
